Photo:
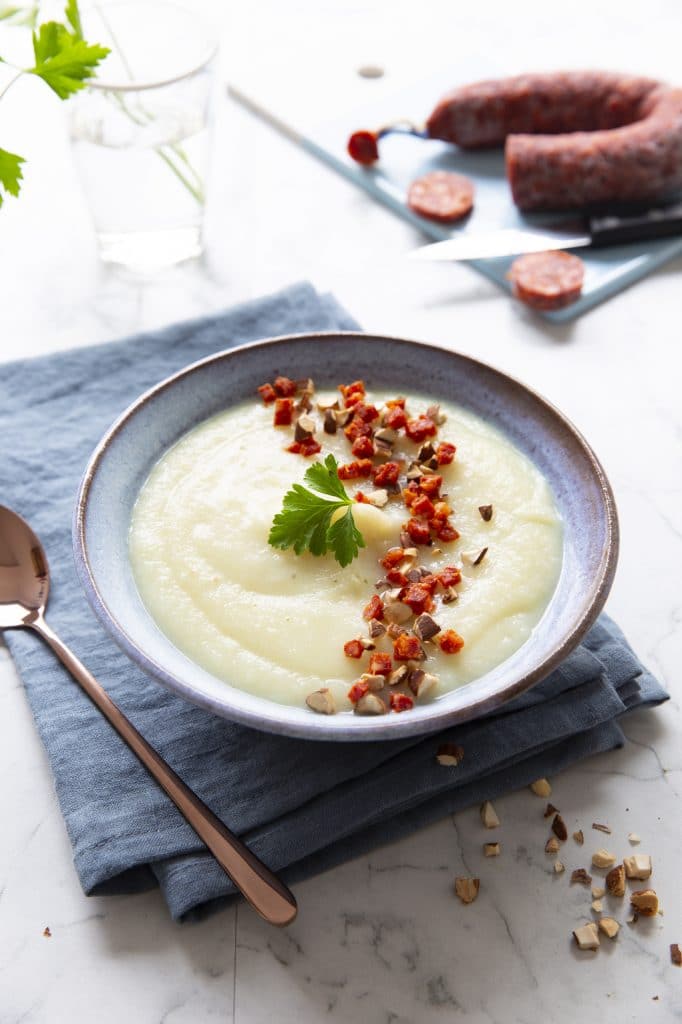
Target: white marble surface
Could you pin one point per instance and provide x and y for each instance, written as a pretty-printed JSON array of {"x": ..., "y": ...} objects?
[{"x": 381, "y": 939}]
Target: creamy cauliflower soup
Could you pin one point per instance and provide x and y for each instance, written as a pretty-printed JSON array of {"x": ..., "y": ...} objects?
[{"x": 462, "y": 550}]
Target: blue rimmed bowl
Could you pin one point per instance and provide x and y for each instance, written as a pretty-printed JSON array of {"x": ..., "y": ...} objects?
[{"x": 122, "y": 461}]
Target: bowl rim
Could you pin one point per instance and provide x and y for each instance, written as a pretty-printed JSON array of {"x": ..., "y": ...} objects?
[{"x": 435, "y": 716}]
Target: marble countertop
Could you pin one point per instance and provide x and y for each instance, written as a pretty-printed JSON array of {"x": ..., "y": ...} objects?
[{"x": 381, "y": 940}]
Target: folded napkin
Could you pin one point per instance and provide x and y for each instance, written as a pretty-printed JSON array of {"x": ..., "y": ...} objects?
[{"x": 301, "y": 806}]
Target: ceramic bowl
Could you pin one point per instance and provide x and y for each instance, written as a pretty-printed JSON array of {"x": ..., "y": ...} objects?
[{"x": 125, "y": 456}]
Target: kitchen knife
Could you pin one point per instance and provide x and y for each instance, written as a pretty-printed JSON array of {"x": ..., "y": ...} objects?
[{"x": 596, "y": 231}]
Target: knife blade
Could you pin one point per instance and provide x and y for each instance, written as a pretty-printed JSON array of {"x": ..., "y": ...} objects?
[{"x": 593, "y": 231}]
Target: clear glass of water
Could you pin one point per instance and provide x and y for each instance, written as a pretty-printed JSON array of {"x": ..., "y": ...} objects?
[{"x": 140, "y": 132}]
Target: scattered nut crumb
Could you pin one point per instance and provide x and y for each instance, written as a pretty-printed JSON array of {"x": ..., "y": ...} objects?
[
  {"x": 638, "y": 865},
  {"x": 597, "y": 906},
  {"x": 48, "y": 934},
  {"x": 449, "y": 753},
  {"x": 467, "y": 889},
  {"x": 615, "y": 881},
  {"x": 580, "y": 875},
  {"x": 558, "y": 867},
  {"x": 559, "y": 828},
  {"x": 603, "y": 859},
  {"x": 645, "y": 902},
  {"x": 634, "y": 838},
  {"x": 370, "y": 704},
  {"x": 587, "y": 936},
  {"x": 609, "y": 926},
  {"x": 491, "y": 849},
  {"x": 676, "y": 954},
  {"x": 321, "y": 701},
  {"x": 488, "y": 815},
  {"x": 486, "y": 512},
  {"x": 601, "y": 828},
  {"x": 541, "y": 787},
  {"x": 597, "y": 892},
  {"x": 579, "y": 837},
  {"x": 550, "y": 809},
  {"x": 552, "y": 845}
]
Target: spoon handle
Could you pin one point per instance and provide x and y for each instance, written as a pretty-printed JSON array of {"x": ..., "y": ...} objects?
[{"x": 264, "y": 891}]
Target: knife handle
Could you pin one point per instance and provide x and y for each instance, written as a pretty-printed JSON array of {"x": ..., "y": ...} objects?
[{"x": 615, "y": 228}]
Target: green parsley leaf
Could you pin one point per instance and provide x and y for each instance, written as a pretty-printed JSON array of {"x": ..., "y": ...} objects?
[
  {"x": 304, "y": 523},
  {"x": 345, "y": 539},
  {"x": 10, "y": 173},
  {"x": 63, "y": 60},
  {"x": 73, "y": 16}
]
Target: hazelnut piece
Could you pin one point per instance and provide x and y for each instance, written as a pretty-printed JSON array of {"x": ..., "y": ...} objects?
[
  {"x": 488, "y": 815},
  {"x": 449, "y": 754},
  {"x": 370, "y": 704},
  {"x": 491, "y": 849},
  {"x": 467, "y": 889},
  {"x": 609, "y": 926},
  {"x": 645, "y": 902},
  {"x": 603, "y": 859},
  {"x": 615, "y": 881},
  {"x": 541, "y": 787},
  {"x": 587, "y": 936},
  {"x": 637, "y": 866},
  {"x": 321, "y": 701}
]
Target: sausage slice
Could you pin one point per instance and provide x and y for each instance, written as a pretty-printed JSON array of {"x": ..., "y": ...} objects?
[
  {"x": 547, "y": 280},
  {"x": 442, "y": 196}
]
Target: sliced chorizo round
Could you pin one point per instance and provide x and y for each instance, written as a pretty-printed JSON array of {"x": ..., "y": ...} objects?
[
  {"x": 441, "y": 195},
  {"x": 547, "y": 280}
]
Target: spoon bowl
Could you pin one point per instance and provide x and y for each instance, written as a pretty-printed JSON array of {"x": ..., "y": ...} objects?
[
  {"x": 24, "y": 587},
  {"x": 24, "y": 574}
]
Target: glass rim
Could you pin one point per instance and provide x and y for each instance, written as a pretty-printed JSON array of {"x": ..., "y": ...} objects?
[{"x": 141, "y": 85}]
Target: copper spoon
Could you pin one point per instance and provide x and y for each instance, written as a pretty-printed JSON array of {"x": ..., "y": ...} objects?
[{"x": 24, "y": 586}]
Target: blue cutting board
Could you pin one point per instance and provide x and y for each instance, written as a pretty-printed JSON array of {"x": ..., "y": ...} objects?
[{"x": 404, "y": 158}]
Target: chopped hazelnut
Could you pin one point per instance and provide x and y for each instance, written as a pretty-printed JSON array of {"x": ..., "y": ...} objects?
[
  {"x": 398, "y": 675},
  {"x": 541, "y": 787},
  {"x": 559, "y": 828},
  {"x": 597, "y": 906},
  {"x": 374, "y": 682},
  {"x": 580, "y": 875},
  {"x": 473, "y": 557},
  {"x": 425, "y": 627},
  {"x": 676, "y": 954},
  {"x": 645, "y": 902},
  {"x": 587, "y": 936},
  {"x": 609, "y": 926},
  {"x": 486, "y": 512},
  {"x": 598, "y": 891},
  {"x": 491, "y": 849},
  {"x": 329, "y": 424},
  {"x": 387, "y": 435},
  {"x": 396, "y": 611},
  {"x": 321, "y": 701},
  {"x": 488, "y": 815},
  {"x": 558, "y": 867},
  {"x": 376, "y": 628},
  {"x": 603, "y": 859},
  {"x": 435, "y": 413},
  {"x": 370, "y": 704},
  {"x": 601, "y": 828},
  {"x": 467, "y": 889},
  {"x": 367, "y": 643},
  {"x": 421, "y": 683},
  {"x": 634, "y": 838},
  {"x": 449, "y": 595},
  {"x": 448, "y": 753},
  {"x": 378, "y": 498},
  {"x": 615, "y": 881},
  {"x": 552, "y": 845},
  {"x": 550, "y": 809},
  {"x": 579, "y": 837},
  {"x": 323, "y": 404},
  {"x": 305, "y": 427},
  {"x": 637, "y": 866}
]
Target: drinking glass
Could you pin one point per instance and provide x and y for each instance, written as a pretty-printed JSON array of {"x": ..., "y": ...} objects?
[{"x": 140, "y": 132}]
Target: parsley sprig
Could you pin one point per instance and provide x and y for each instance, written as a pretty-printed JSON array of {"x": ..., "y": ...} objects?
[
  {"x": 304, "y": 523},
  {"x": 64, "y": 61}
]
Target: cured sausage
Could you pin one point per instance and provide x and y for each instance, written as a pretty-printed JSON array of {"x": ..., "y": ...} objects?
[
  {"x": 573, "y": 139},
  {"x": 547, "y": 280},
  {"x": 442, "y": 196}
]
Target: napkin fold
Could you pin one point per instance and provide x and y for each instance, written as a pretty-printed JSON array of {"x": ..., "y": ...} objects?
[{"x": 301, "y": 806}]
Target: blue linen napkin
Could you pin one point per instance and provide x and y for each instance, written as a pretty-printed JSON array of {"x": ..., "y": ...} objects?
[{"x": 301, "y": 806}]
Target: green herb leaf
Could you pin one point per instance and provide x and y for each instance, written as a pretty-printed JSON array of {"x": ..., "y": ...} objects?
[
  {"x": 63, "y": 60},
  {"x": 304, "y": 523},
  {"x": 345, "y": 539},
  {"x": 73, "y": 16},
  {"x": 10, "y": 173}
]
